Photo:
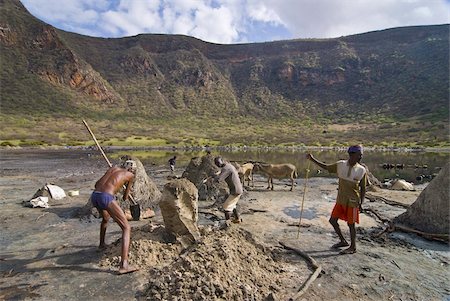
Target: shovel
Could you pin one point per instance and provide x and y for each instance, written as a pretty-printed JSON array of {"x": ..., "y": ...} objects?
[{"x": 135, "y": 209}]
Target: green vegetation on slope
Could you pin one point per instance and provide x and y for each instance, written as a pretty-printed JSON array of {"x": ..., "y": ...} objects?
[{"x": 381, "y": 87}]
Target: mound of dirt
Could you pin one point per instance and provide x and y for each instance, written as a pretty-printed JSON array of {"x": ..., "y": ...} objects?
[
  {"x": 430, "y": 212},
  {"x": 199, "y": 169},
  {"x": 144, "y": 190},
  {"x": 228, "y": 264},
  {"x": 150, "y": 247}
]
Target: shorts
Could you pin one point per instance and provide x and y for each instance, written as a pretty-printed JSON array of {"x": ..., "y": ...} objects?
[
  {"x": 101, "y": 200},
  {"x": 231, "y": 202},
  {"x": 345, "y": 213}
]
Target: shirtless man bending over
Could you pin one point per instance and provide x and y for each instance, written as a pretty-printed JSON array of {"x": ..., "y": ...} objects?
[{"x": 103, "y": 199}]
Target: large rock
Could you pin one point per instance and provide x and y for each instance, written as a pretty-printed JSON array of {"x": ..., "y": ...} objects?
[
  {"x": 199, "y": 169},
  {"x": 430, "y": 212},
  {"x": 179, "y": 208},
  {"x": 144, "y": 190}
]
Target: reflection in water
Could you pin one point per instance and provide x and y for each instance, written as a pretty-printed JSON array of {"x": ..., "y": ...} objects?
[
  {"x": 414, "y": 164},
  {"x": 294, "y": 212}
]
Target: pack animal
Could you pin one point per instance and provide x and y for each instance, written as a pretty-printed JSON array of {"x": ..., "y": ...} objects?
[
  {"x": 246, "y": 173},
  {"x": 277, "y": 171}
]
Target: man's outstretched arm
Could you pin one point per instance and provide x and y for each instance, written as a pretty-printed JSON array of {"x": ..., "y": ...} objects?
[{"x": 319, "y": 163}]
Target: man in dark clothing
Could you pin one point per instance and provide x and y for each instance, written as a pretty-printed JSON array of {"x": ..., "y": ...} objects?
[{"x": 172, "y": 162}]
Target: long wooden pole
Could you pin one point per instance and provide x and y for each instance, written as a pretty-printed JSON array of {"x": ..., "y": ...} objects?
[
  {"x": 104, "y": 155},
  {"x": 317, "y": 270},
  {"x": 98, "y": 145},
  {"x": 303, "y": 200}
]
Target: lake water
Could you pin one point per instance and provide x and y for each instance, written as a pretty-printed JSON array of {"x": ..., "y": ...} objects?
[{"x": 414, "y": 164}]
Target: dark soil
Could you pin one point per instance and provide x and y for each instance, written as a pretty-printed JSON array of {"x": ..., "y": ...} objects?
[{"x": 51, "y": 254}]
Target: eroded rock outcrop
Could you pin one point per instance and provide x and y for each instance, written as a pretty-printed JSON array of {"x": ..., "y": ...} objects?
[
  {"x": 179, "y": 208},
  {"x": 199, "y": 169},
  {"x": 144, "y": 190}
]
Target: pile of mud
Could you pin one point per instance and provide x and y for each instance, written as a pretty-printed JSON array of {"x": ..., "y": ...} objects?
[
  {"x": 228, "y": 264},
  {"x": 430, "y": 212},
  {"x": 144, "y": 190},
  {"x": 199, "y": 169},
  {"x": 150, "y": 247}
]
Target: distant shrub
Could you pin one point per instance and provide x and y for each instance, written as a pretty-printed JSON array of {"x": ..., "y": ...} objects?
[{"x": 32, "y": 143}]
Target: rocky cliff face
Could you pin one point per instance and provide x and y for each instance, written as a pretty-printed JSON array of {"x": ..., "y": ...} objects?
[
  {"x": 48, "y": 57},
  {"x": 401, "y": 72}
]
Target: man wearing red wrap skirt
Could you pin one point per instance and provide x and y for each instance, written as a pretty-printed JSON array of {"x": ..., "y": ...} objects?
[{"x": 351, "y": 191}]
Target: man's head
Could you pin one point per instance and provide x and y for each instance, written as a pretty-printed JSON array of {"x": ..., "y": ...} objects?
[
  {"x": 130, "y": 165},
  {"x": 355, "y": 154},
  {"x": 219, "y": 161}
]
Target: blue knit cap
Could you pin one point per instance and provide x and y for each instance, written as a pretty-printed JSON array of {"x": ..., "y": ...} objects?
[{"x": 355, "y": 149}]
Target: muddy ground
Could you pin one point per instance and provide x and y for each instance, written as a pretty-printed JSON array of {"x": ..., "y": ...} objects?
[{"x": 49, "y": 254}]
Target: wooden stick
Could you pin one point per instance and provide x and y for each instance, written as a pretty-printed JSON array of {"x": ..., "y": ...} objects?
[
  {"x": 303, "y": 199},
  {"x": 390, "y": 202},
  {"x": 257, "y": 210},
  {"x": 104, "y": 156},
  {"x": 96, "y": 142},
  {"x": 397, "y": 227},
  {"x": 440, "y": 237},
  {"x": 312, "y": 277},
  {"x": 365, "y": 210},
  {"x": 297, "y": 225}
]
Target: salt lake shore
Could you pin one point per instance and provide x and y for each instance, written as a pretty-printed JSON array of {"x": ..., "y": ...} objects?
[{"x": 51, "y": 254}]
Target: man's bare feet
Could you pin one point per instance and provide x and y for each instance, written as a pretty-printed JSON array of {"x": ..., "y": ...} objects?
[
  {"x": 127, "y": 270},
  {"x": 340, "y": 245},
  {"x": 102, "y": 248},
  {"x": 350, "y": 250}
]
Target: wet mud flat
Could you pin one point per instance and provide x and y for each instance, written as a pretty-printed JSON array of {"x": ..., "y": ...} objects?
[{"x": 49, "y": 254}]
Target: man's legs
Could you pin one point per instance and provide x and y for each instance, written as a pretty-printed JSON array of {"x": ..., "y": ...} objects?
[
  {"x": 237, "y": 219},
  {"x": 105, "y": 218},
  {"x": 119, "y": 216},
  {"x": 352, "y": 248},
  {"x": 343, "y": 243},
  {"x": 230, "y": 206}
]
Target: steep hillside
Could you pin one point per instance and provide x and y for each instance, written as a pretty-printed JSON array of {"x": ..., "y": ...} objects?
[
  {"x": 379, "y": 71},
  {"x": 390, "y": 82},
  {"x": 39, "y": 72}
]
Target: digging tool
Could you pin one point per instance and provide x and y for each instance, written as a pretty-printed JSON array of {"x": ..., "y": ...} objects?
[
  {"x": 303, "y": 200},
  {"x": 135, "y": 209}
]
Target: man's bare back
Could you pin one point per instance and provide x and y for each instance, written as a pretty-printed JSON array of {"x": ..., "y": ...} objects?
[{"x": 113, "y": 180}]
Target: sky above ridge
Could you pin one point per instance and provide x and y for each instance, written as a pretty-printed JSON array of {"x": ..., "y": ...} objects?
[{"x": 237, "y": 21}]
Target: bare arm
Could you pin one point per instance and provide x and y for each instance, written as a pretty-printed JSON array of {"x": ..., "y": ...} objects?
[
  {"x": 128, "y": 187},
  {"x": 317, "y": 162},
  {"x": 362, "y": 191}
]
